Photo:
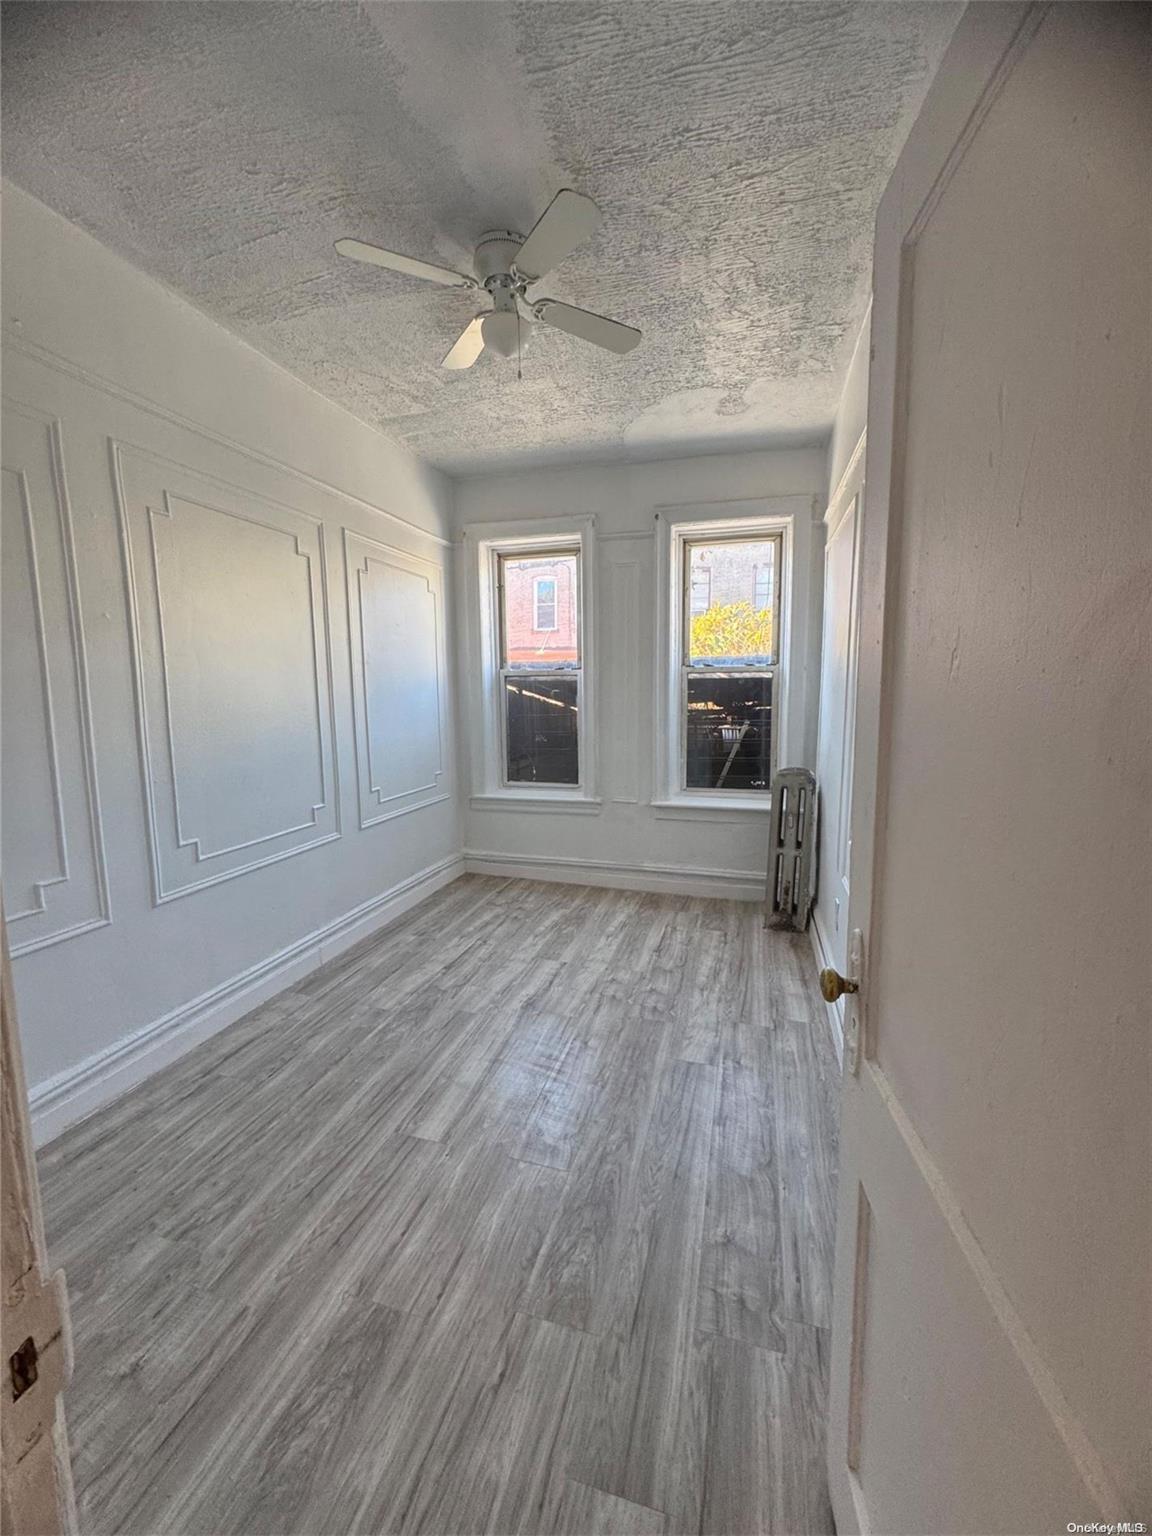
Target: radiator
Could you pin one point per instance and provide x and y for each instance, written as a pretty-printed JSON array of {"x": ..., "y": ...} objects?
[{"x": 792, "y": 849}]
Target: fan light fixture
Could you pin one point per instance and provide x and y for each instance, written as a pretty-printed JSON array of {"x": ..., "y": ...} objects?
[
  {"x": 500, "y": 330},
  {"x": 506, "y": 265}
]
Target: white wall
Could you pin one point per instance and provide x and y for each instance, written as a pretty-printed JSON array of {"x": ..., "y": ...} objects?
[
  {"x": 628, "y": 840},
  {"x": 198, "y": 809}
]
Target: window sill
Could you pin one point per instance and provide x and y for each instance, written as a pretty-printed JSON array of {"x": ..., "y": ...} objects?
[
  {"x": 541, "y": 800},
  {"x": 700, "y": 808}
]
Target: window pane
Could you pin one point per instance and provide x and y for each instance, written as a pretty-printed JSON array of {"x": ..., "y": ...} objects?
[
  {"x": 731, "y": 602},
  {"x": 542, "y": 729},
  {"x": 545, "y": 597},
  {"x": 540, "y": 611},
  {"x": 729, "y": 735}
]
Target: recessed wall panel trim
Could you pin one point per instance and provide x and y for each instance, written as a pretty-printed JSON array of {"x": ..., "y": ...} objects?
[
  {"x": 54, "y": 861},
  {"x": 226, "y": 593},
  {"x": 397, "y": 656}
]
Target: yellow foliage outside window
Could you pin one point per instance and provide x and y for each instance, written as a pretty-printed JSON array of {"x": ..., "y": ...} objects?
[{"x": 732, "y": 629}]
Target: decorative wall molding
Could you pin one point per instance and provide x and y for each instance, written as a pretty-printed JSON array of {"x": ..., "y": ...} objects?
[
  {"x": 72, "y": 898},
  {"x": 184, "y": 859},
  {"x": 535, "y": 805},
  {"x": 184, "y": 838},
  {"x": 70, "y": 1096},
  {"x": 50, "y": 359},
  {"x": 399, "y": 683},
  {"x": 675, "y": 879},
  {"x": 840, "y": 499},
  {"x": 19, "y": 492}
]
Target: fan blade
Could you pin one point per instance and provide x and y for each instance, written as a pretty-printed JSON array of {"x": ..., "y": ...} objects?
[
  {"x": 569, "y": 219},
  {"x": 469, "y": 346},
  {"x": 600, "y": 331},
  {"x": 358, "y": 250}
]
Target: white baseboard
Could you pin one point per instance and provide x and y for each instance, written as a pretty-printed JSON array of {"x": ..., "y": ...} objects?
[
  {"x": 835, "y": 1011},
  {"x": 70, "y": 1096},
  {"x": 672, "y": 879}
]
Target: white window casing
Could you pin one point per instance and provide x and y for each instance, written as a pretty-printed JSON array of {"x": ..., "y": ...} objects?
[
  {"x": 483, "y": 694},
  {"x": 676, "y": 527}
]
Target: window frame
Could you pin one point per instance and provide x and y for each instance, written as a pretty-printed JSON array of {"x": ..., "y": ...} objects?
[
  {"x": 482, "y": 654},
  {"x": 676, "y": 528}
]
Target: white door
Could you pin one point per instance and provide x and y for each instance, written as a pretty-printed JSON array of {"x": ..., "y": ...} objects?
[
  {"x": 837, "y": 718},
  {"x": 990, "y": 1367}
]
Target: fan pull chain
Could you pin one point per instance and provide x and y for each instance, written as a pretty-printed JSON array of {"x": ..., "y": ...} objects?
[{"x": 519, "y": 369}]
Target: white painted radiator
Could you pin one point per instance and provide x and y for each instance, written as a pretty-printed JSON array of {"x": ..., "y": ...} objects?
[{"x": 792, "y": 849}]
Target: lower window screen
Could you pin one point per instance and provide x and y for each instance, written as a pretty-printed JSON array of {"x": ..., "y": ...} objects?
[
  {"x": 729, "y": 731},
  {"x": 542, "y": 729}
]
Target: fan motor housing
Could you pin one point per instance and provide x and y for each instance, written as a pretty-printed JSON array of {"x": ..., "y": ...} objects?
[{"x": 496, "y": 253}]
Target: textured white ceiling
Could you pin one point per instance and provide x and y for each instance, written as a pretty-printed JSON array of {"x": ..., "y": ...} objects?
[{"x": 738, "y": 151}]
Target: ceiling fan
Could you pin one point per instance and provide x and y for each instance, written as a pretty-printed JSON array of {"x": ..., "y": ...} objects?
[{"x": 506, "y": 264}]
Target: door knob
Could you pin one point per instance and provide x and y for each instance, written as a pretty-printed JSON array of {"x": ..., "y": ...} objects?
[{"x": 833, "y": 985}]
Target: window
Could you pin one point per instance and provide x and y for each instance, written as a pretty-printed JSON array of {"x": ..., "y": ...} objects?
[
  {"x": 540, "y": 666},
  {"x": 728, "y": 661},
  {"x": 729, "y": 705},
  {"x": 544, "y": 602},
  {"x": 528, "y": 591}
]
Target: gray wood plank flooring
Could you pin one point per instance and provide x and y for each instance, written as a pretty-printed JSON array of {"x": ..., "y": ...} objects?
[{"x": 517, "y": 1217}]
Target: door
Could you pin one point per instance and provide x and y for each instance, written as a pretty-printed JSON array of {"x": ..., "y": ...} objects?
[
  {"x": 990, "y": 1359},
  {"x": 837, "y": 718},
  {"x": 35, "y": 1355}
]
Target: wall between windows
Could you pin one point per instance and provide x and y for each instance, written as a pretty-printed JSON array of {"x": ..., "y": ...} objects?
[
  {"x": 216, "y": 771},
  {"x": 627, "y": 840}
]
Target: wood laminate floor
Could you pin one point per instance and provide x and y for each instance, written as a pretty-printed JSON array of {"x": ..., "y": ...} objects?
[{"x": 517, "y": 1217}]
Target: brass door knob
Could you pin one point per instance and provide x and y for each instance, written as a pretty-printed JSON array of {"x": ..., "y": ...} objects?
[{"x": 833, "y": 985}]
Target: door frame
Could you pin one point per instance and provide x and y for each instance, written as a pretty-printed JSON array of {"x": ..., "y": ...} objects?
[
  {"x": 36, "y": 1495},
  {"x": 831, "y": 949}
]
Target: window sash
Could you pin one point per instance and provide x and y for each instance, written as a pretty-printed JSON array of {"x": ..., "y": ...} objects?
[
  {"x": 504, "y": 557},
  {"x": 712, "y": 673},
  {"x": 546, "y": 676},
  {"x": 686, "y": 614}
]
